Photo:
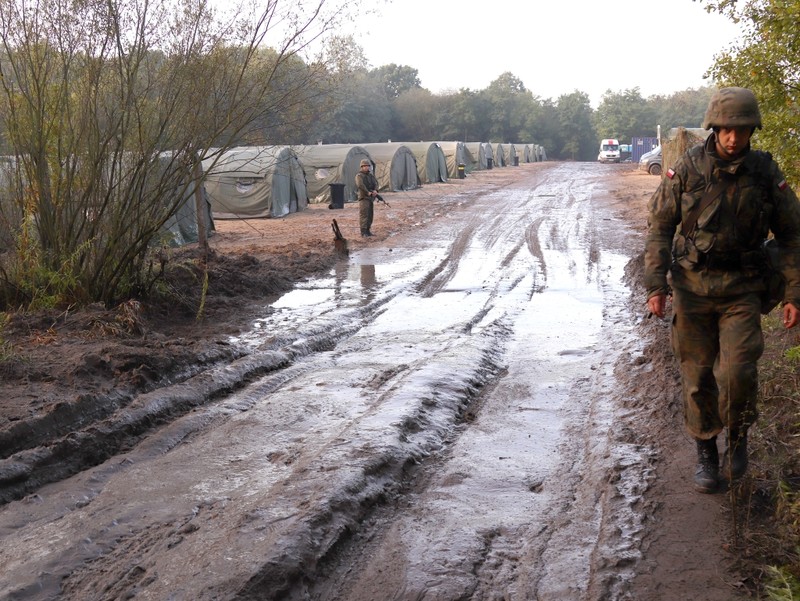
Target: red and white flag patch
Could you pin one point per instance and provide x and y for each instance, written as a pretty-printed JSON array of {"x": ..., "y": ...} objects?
[
  {"x": 670, "y": 173},
  {"x": 782, "y": 185}
]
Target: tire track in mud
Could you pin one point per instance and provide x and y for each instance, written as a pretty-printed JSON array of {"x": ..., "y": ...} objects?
[
  {"x": 438, "y": 277},
  {"x": 138, "y": 416},
  {"x": 586, "y": 542},
  {"x": 346, "y": 499},
  {"x": 535, "y": 248},
  {"x": 125, "y": 420},
  {"x": 341, "y": 480}
]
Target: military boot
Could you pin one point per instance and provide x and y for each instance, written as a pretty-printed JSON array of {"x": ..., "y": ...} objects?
[
  {"x": 735, "y": 464},
  {"x": 706, "y": 477}
]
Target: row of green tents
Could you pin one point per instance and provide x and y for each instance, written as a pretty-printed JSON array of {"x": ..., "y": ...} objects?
[{"x": 273, "y": 181}]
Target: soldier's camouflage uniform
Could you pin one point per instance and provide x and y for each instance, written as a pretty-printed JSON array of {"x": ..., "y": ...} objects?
[
  {"x": 366, "y": 182},
  {"x": 716, "y": 276}
]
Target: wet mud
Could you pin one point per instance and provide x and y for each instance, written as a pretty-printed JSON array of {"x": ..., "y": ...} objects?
[{"x": 471, "y": 408}]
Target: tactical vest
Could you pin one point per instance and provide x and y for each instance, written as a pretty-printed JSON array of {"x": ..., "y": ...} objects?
[{"x": 715, "y": 235}]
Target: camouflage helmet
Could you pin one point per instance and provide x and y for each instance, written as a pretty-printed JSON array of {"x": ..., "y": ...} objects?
[
  {"x": 732, "y": 107},
  {"x": 365, "y": 163}
]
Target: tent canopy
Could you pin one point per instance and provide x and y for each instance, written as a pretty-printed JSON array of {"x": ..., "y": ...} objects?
[
  {"x": 182, "y": 226},
  {"x": 255, "y": 181},
  {"x": 395, "y": 166},
  {"x": 457, "y": 153},
  {"x": 500, "y": 155},
  {"x": 326, "y": 164},
  {"x": 478, "y": 152},
  {"x": 431, "y": 162},
  {"x": 489, "y": 150},
  {"x": 524, "y": 153},
  {"x": 510, "y": 153}
]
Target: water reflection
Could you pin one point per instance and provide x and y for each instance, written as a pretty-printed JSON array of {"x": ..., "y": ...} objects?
[
  {"x": 368, "y": 283},
  {"x": 368, "y": 280}
]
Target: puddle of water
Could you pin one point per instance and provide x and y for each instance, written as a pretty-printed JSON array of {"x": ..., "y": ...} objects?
[
  {"x": 501, "y": 493},
  {"x": 303, "y": 298}
]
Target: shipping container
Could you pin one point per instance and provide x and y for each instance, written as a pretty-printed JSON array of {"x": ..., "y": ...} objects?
[{"x": 641, "y": 145}]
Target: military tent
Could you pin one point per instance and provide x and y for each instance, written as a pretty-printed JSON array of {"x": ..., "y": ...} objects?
[
  {"x": 489, "y": 153},
  {"x": 511, "y": 156},
  {"x": 255, "y": 181},
  {"x": 182, "y": 226},
  {"x": 500, "y": 155},
  {"x": 524, "y": 153},
  {"x": 395, "y": 166},
  {"x": 165, "y": 182},
  {"x": 455, "y": 154},
  {"x": 326, "y": 164},
  {"x": 431, "y": 162},
  {"x": 478, "y": 152}
]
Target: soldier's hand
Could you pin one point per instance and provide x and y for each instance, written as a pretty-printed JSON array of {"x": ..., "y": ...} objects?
[
  {"x": 791, "y": 315},
  {"x": 657, "y": 305}
]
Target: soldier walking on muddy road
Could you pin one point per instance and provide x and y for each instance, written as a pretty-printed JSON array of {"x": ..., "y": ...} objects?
[
  {"x": 707, "y": 222},
  {"x": 367, "y": 185}
]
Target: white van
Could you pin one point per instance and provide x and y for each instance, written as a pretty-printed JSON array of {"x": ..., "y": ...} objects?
[{"x": 609, "y": 151}]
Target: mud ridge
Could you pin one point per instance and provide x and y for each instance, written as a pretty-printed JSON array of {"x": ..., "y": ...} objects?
[
  {"x": 68, "y": 417},
  {"x": 337, "y": 521},
  {"x": 27, "y": 470}
]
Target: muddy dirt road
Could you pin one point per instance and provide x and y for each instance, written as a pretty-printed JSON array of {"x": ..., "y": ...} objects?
[{"x": 472, "y": 409}]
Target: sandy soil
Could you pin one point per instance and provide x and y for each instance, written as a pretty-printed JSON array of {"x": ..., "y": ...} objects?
[{"x": 65, "y": 369}]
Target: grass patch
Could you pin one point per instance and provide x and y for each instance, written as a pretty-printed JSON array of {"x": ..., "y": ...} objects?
[{"x": 766, "y": 504}]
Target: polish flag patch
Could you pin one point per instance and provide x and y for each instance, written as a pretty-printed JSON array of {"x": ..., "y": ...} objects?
[
  {"x": 671, "y": 173},
  {"x": 782, "y": 185}
]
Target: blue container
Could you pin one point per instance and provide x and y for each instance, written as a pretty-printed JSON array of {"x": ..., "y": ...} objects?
[{"x": 641, "y": 145}]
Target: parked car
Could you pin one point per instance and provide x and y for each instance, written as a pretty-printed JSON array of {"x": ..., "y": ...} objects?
[{"x": 651, "y": 161}]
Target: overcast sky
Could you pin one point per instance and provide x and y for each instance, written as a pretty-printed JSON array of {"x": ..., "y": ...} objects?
[{"x": 555, "y": 47}]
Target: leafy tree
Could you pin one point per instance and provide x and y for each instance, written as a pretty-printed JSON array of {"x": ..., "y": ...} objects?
[
  {"x": 508, "y": 83},
  {"x": 297, "y": 94},
  {"x": 578, "y": 140},
  {"x": 396, "y": 79},
  {"x": 685, "y": 108},
  {"x": 344, "y": 56},
  {"x": 766, "y": 59},
  {"x": 416, "y": 112},
  {"x": 542, "y": 125},
  {"x": 463, "y": 116},
  {"x": 360, "y": 113},
  {"x": 509, "y": 102},
  {"x": 623, "y": 115}
]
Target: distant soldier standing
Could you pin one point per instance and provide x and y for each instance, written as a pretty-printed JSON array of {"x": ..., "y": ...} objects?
[
  {"x": 367, "y": 185},
  {"x": 707, "y": 222}
]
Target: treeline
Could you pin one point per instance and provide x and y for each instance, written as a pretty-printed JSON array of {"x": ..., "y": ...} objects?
[{"x": 389, "y": 103}]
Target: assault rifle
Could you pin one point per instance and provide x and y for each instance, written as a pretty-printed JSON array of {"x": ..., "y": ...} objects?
[{"x": 379, "y": 198}]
